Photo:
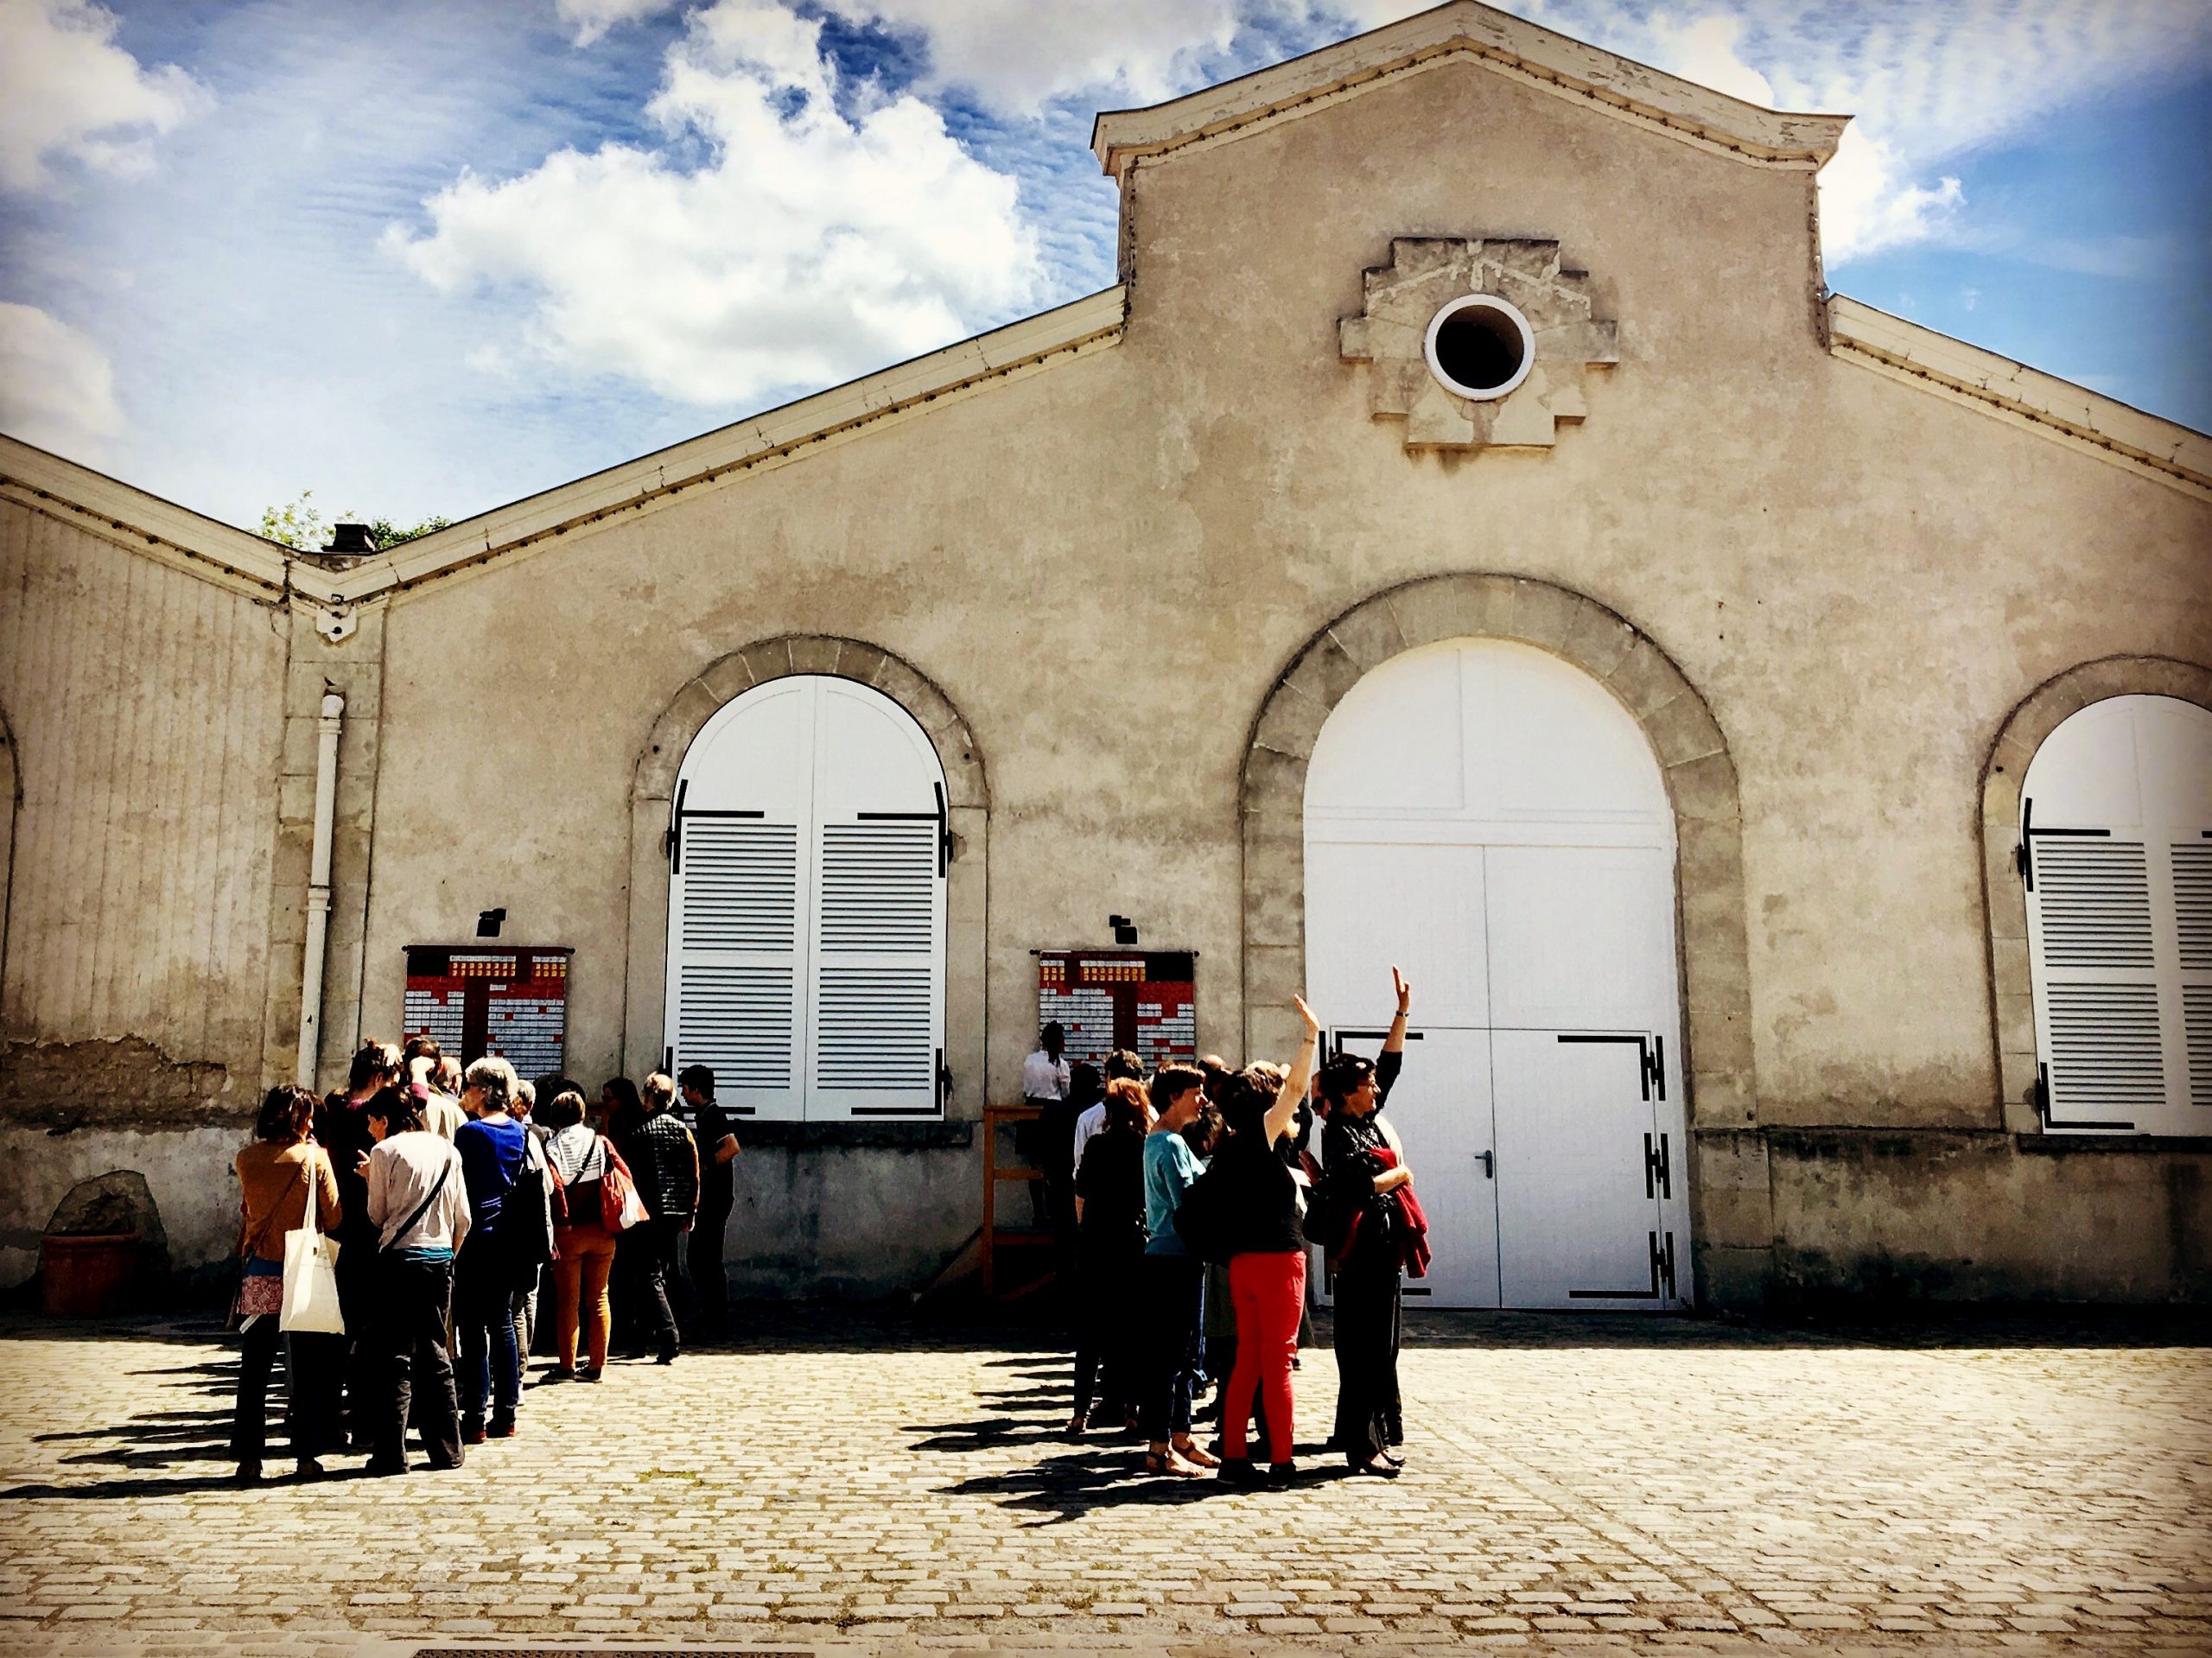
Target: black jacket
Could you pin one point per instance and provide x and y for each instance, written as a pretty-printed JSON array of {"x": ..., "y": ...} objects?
[{"x": 667, "y": 1168}]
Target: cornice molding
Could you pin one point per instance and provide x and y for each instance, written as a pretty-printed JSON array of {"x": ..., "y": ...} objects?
[
  {"x": 1466, "y": 31},
  {"x": 231, "y": 557},
  {"x": 773, "y": 439},
  {"x": 132, "y": 518},
  {"x": 2113, "y": 431}
]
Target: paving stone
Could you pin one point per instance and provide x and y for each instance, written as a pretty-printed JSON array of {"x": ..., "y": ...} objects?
[{"x": 832, "y": 1481}]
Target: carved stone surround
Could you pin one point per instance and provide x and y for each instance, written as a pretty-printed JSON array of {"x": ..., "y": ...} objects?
[{"x": 1427, "y": 272}]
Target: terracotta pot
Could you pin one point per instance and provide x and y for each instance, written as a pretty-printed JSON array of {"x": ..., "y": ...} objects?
[{"x": 87, "y": 1277}]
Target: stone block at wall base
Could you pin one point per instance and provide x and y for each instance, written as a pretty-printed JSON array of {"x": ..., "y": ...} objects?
[
  {"x": 852, "y": 1220},
  {"x": 1731, "y": 1280}
]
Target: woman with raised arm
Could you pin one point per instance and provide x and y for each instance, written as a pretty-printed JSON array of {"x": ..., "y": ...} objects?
[
  {"x": 1266, "y": 1195},
  {"x": 1378, "y": 1231}
]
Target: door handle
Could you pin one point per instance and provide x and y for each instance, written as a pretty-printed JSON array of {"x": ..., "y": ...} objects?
[{"x": 1490, "y": 1165}]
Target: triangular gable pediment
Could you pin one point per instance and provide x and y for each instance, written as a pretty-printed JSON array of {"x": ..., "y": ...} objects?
[{"x": 1495, "y": 41}]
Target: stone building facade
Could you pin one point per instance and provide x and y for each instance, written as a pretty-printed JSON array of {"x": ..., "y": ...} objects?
[{"x": 1120, "y": 562}]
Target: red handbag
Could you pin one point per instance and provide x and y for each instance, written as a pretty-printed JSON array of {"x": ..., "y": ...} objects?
[{"x": 620, "y": 1206}]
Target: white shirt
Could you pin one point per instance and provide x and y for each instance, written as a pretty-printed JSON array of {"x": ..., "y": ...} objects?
[
  {"x": 1087, "y": 1125},
  {"x": 1044, "y": 1078},
  {"x": 403, "y": 1169}
]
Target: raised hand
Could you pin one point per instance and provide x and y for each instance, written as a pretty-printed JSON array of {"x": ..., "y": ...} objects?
[
  {"x": 1404, "y": 991},
  {"x": 1313, "y": 1023}
]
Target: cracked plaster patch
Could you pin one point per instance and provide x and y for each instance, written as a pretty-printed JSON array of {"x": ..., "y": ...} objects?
[{"x": 1426, "y": 273}]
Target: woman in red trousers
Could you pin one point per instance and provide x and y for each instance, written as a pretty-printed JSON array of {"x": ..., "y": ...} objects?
[{"x": 1265, "y": 1202}]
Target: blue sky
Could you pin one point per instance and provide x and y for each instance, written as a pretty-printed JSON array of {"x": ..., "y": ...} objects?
[{"x": 427, "y": 257}]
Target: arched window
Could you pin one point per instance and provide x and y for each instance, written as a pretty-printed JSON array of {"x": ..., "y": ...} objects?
[
  {"x": 808, "y": 841},
  {"x": 2116, "y": 856}
]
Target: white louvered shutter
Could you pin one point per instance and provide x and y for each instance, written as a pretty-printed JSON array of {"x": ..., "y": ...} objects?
[
  {"x": 876, "y": 1010},
  {"x": 2116, "y": 828},
  {"x": 737, "y": 915}
]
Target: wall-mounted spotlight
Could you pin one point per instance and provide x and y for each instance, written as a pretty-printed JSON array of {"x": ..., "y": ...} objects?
[
  {"x": 1125, "y": 931},
  {"x": 488, "y": 923}
]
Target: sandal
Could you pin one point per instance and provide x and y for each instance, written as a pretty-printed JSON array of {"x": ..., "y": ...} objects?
[{"x": 1193, "y": 1451}]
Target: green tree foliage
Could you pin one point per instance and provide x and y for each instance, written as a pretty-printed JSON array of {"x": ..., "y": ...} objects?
[{"x": 300, "y": 524}]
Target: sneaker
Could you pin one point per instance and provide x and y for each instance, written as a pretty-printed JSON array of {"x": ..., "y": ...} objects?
[
  {"x": 667, "y": 1354},
  {"x": 503, "y": 1430},
  {"x": 1281, "y": 1473},
  {"x": 379, "y": 1466},
  {"x": 559, "y": 1373},
  {"x": 1240, "y": 1470},
  {"x": 593, "y": 1374},
  {"x": 472, "y": 1435}
]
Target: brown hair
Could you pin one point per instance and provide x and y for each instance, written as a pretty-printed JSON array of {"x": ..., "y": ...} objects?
[
  {"x": 287, "y": 1113},
  {"x": 1125, "y": 1105},
  {"x": 1171, "y": 1080}
]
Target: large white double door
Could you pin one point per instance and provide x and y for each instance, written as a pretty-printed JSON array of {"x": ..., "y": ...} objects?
[{"x": 1514, "y": 859}]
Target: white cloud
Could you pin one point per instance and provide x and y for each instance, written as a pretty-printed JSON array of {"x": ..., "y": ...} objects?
[
  {"x": 808, "y": 247},
  {"x": 589, "y": 19},
  {"x": 1704, "y": 50},
  {"x": 56, "y": 389},
  {"x": 1870, "y": 204},
  {"x": 67, "y": 89},
  {"x": 1016, "y": 54}
]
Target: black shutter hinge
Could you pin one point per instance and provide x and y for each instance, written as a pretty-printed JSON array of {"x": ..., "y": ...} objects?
[
  {"x": 1655, "y": 1068},
  {"x": 1663, "y": 1265},
  {"x": 1658, "y": 1178}
]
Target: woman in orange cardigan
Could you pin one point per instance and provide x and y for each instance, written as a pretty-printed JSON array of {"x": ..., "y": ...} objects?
[{"x": 275, "y": 1172}]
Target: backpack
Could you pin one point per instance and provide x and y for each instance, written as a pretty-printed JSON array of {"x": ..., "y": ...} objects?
[
  {"x": 1206, "y": 1218},
  {"x": 525, "y": 1233}
]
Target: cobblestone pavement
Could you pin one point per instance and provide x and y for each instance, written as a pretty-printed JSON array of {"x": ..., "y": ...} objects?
[{"x": 835, "y": 1484}]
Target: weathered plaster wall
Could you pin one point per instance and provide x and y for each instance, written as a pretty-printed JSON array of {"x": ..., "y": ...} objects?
[
  {"x": 858, "y": 1211},
  {"x": 1105, "y": 566},
  {"x": 1945, "y": 1215},
  {"x": 187, "y": 1172},
  {"x": 143, "y": 704}
]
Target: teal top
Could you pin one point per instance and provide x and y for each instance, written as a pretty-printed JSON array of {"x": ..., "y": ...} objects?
[{"x": 1170, "y": 1166}]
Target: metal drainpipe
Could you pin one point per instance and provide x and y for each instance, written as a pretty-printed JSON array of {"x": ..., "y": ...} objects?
[{"x": 326, "y": 810}]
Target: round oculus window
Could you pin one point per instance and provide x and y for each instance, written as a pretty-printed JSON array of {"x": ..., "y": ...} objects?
[{"x": 1480, "y": 346}]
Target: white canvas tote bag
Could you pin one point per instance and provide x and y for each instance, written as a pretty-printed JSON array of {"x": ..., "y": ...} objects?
[{"x": 311, "y": 1277}]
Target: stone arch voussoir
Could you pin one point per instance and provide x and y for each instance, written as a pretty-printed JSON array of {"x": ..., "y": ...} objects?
[
  {"x": 1693, "y": 754},
  {"x": 2003, "y": 769},
  {"x": 702, "y": 696}
]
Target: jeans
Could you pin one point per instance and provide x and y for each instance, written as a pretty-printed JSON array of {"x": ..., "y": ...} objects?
[
  {"x": 484, "y": 1326},
  {"x": 314, "y": 1366},
  {"x": 1269, "y": 1290},
  {"x": 1174, "y": 1296},
  {"x": 654, "y": 1241},
  {"x": 407, "y": 1349}
]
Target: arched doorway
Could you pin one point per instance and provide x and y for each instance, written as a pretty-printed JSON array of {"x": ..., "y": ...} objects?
[
  {"x": 809, "y": 840},
  {"x": 1490, "y": 818},
  {"x": 2116, "y": 860}
]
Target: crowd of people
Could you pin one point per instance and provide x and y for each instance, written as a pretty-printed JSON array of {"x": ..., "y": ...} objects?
[
  {"x": 464, "y": 1201},
  {"x": 1187, "y": 1202}
]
